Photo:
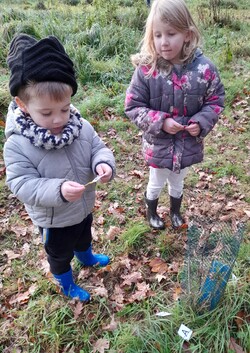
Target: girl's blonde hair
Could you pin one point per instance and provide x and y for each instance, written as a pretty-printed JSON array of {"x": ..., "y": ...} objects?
[
  {"x": 55, "y": 90},
  {"x": 177, "y": 15}
]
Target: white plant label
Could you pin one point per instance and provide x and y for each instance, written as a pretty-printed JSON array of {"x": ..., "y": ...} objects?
[
  {"x": 163, "y": 313},
  {"x": 185, "y": 332}
]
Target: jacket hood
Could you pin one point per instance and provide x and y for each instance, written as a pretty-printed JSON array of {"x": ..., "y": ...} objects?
[
  {"x": 197, "y": 54},
  {"x": 10, "y": 126},
  {"x": 164, "y": 66}
]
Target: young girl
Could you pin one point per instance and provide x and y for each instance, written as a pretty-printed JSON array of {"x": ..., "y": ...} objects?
[
  {"x": 51, "y": 153},
  {"x": 175, "y": 97}
]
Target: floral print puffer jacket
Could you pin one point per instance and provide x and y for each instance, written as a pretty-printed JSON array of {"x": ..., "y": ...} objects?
[{"x": 191, "y": 93}]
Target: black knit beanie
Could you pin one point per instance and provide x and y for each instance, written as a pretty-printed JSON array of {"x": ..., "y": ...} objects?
[{"x": 39, "y": 61}]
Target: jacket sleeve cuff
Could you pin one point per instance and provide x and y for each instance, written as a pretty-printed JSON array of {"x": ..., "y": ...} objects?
[{"x": 61, "y": 195}]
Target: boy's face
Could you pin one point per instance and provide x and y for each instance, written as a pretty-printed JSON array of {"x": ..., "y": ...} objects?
[{"x": 48, "y": 113}]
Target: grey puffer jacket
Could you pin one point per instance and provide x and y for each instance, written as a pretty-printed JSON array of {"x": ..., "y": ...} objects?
[
  {"x": 35, "y": 174},
  {"x": 191, "y": 93}
]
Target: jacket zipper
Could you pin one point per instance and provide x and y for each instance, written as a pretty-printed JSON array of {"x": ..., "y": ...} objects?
[
  {"x": 52, "y": 216},
  {"x": 72, "y": 165}
]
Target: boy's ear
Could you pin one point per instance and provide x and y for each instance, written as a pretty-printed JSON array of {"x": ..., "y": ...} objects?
[{"x": 21, "y": 104}]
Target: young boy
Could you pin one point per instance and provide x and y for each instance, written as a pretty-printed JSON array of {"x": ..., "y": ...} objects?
[{"x": 51, "y": 152}]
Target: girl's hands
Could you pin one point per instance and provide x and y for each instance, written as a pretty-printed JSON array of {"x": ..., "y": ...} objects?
[
  {"x": 194, "y": 129},
  {"x": 171, "y": 126},
  {"x": 72, "y": 191},
  {"x": 105, "y": 170}
]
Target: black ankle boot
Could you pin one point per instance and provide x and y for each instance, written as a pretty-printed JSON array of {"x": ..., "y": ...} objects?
[
  {"x": 154, "y": 220},
  {"x": 176, "y": 218}
]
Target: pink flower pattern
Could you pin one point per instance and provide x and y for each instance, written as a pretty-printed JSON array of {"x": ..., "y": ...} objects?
[
  {"x": 207, "y": 74},
  {"x": 175, "y": 112},
  {"x": 128, "y": 98},
  {"x": 178, "y": 83},
  {"x": 153, "y": 165},
  {"x": 145, "y": 70},
  {"x": 213, "y": 98},
  {"x": 216, "y": 109},
  {"x": 149, "y": 153},
  {"x": 154, "y": 115}
]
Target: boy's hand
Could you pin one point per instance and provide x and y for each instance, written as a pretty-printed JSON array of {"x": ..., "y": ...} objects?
[
  {"x": 105, "y": 170},
  {"x": 194, "y": 129},
  {"x": 72, "y": 191},
  {"x": 171, "y": 126}
]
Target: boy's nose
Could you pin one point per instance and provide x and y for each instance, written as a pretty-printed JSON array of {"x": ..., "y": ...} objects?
[{"x": 57, "y": 119}]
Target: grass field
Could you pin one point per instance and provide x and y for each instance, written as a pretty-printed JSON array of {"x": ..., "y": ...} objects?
[{"x": 146, "y": 272}]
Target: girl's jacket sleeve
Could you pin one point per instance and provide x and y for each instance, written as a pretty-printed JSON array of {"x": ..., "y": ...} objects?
[
  {"x": 137, "y": 103},
  {"x": 213, "y": 103}
]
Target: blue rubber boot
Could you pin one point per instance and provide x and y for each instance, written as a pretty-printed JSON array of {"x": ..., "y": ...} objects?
[
  {"x": 69, "y": 288},
  {"x": 87, "y": 258}
]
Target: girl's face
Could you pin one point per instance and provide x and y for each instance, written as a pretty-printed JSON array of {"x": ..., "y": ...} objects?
[
  {"x": 48, "y": 113},
  {"x": 168, "y": 41}
]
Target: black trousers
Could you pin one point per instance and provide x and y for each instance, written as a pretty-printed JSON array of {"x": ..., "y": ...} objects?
[{"x": 60, "y": 243}]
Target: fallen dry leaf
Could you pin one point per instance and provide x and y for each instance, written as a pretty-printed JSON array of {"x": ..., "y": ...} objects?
[
  {"x": 235, "y": 347},
  {"x": 247, "y": 212},
  {"x": 23, "y": 298},
  {"x": 177, "y": 293},
  {"x": 11, "y": 255},
  {"x": 239, "y": 319},
  {"x": 101, "y": 220},
  {"x": 141, "y": 293},
  {"x": 174, "y": 267},
  {"x": 112, "y": 326},
  {"x": 133, "y": 277},
  {"x": 100, "y": 345},
  {"x": 102, "y": 291},
  {"x": 78, "y": 309},
  {"x": 158, "y": 265},
  {"x": 137, "y": 173},
  {"x": 185, "y": 347},
  {"x": 160, "y": 277},
  {"x": 25, "y": 249},
  {"x": 113, "y": 232},
  {"x": 19, "y": 229},
  {"x": 118, "y": 295}
]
